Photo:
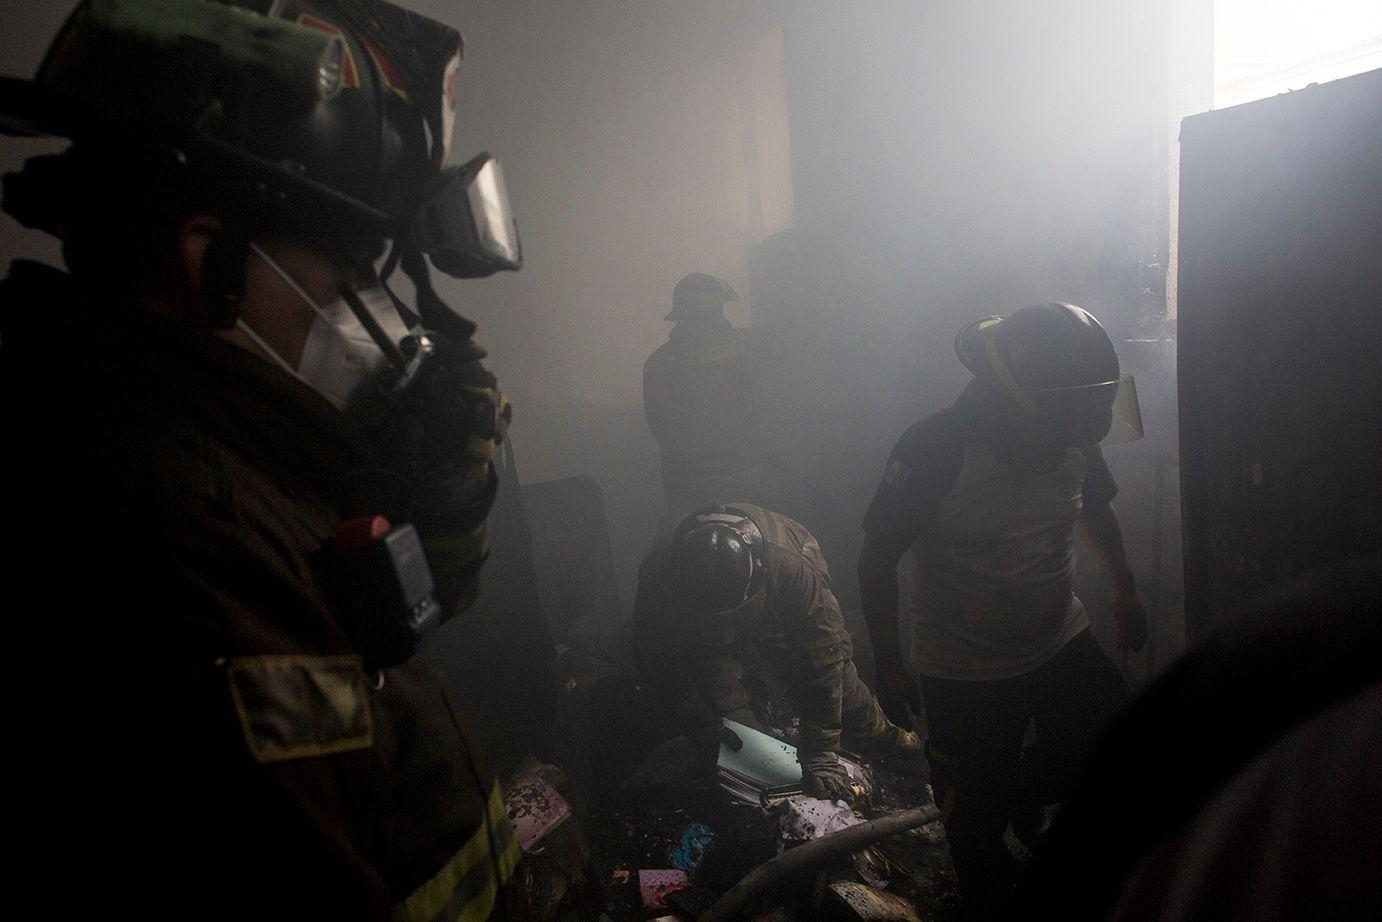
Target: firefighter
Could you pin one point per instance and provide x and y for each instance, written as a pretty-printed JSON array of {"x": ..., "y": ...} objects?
[
  {"x": 252, "y": 478},
  {"x": 698, "y": 399},
  {"x": 984, "y": 499},
  {"x": 735, "y": 587}
]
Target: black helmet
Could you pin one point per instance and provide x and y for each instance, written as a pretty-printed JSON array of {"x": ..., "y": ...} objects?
[
  {"x": 1054, "y": 360},
  {"x": 330, "y": 116},
  {"x": 716, "y": 560},
  {"x": 698, "y": 295}
]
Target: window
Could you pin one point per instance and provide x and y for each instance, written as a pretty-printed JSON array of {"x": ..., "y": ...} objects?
[{"x": 1266, "y": 47}]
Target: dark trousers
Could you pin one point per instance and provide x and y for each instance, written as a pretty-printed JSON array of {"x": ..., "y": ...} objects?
[{"x": 980, "y": 771}]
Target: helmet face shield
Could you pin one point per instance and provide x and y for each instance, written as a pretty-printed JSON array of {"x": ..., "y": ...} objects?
[
  {"x": 1104, "y": 414},
  {"x": 465, "y": 223},
  {"x": 1127, "y": 414},
  {"x": 1081, "y": 414}
]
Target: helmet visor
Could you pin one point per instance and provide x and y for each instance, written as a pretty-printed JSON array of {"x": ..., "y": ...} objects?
[
  {"x": 1106, "y": 413},
  {"x": 465, "y": 223},
  {"x": 1127, "y": 414}
]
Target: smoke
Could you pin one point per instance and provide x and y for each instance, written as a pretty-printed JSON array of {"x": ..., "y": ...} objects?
[
  {"x": 876, "y": 174},
  {"x": 936, "y": 162}
]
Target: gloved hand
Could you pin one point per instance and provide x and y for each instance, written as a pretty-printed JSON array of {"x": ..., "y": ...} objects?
[
  {"x": 454, "y": 398},
  {"x": 902, "y": 749},
  {"x": 823, "y": 775},
  {"x": 709, "y": 737},
  {"x": 438, "y": 427}
]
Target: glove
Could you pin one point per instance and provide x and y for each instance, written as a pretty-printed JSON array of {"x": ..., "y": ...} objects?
[
  {"x": 439, "y": 429},
  {"x": 454, "y": 399},
  {"x": 902, "y": 749},
  {"x": 823, "y": 775},
  {"x": 709, "y": 737}
]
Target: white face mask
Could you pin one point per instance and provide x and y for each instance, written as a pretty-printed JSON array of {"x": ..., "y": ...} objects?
[{"x": 339, "y": 356}]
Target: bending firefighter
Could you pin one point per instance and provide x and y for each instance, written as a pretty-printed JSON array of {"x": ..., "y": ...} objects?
[
  {"x": 269, "y": 474},
  {"x": 734, "y": 588}
]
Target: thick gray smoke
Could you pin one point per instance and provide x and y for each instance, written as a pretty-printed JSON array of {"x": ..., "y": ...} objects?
[
  {"x": 873, "y": 174},
  {"x": 934, "y": 163}
]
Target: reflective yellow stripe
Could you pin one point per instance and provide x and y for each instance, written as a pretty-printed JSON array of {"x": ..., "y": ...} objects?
[
  {"x": 479, "y": 908},
  {"x": 433, "y": 900}
]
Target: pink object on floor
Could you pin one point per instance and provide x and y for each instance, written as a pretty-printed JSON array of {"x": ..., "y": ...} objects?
[
  {"x": 654, "y": 885},
  {"x": 535, "y": 809}
]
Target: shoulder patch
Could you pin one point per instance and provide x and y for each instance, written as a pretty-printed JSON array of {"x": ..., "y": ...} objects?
[
  {"x": 897, "y": 473},
  {"x": 296, "y": 707}
]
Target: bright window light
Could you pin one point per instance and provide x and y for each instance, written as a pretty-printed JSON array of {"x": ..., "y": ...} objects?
[{"x": 1265, "y": 47}]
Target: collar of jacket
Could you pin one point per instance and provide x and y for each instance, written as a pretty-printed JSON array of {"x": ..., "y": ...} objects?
[{"x": 701, "y": 328}]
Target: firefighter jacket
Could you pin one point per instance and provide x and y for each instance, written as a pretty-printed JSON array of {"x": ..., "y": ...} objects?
[
  {"x": 213, "y": 745},
  {"x": 698, "y": 402},
  {"x": 794, "y": 624}
]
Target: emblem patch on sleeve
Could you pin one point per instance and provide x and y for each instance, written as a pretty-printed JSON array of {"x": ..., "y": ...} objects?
[
  {"x": 897, "y": 473},
  {"x": 295, "y": 707}
]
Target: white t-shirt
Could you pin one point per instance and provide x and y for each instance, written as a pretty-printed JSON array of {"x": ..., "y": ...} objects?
[{"x": 990, "y": 557}]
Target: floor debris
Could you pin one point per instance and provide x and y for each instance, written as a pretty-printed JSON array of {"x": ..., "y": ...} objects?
[
  {"x": 654, "y": 885},
  {"x": 535, "y": 808},
  {"x": 803, "y": 818},
  {"x": 848, "y": 901},
  {"x": 688, "y": 853},
  {"x": 659, "y": 807}
]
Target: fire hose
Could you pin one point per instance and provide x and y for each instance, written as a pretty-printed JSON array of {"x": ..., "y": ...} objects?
[{"x": 774, "y": 873}]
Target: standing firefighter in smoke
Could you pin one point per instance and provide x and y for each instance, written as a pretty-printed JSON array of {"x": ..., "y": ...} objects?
[
  {"x": 987, "y": 496},
  {"x": 698, "y": 399},
  {"x": 257, "y": 478},
  {"x": 735, "y": 587}
]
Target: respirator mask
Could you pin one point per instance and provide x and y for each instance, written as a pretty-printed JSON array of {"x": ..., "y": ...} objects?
[{"x": 341, "y": 357}]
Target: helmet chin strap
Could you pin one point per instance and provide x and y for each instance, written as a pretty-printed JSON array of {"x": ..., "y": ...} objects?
[
  {"x": 371, "y": 325},
  {"x": 433, "y": 311}
]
